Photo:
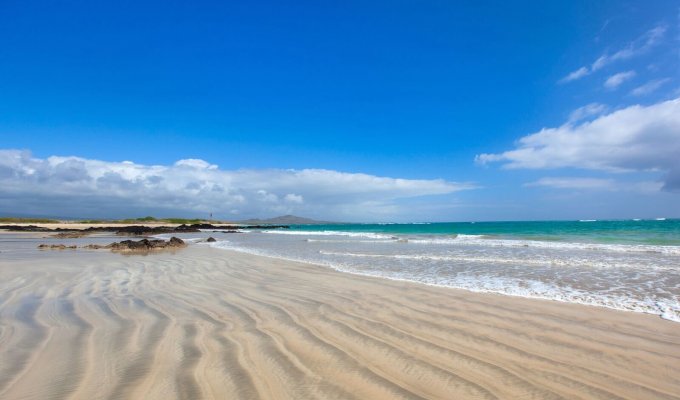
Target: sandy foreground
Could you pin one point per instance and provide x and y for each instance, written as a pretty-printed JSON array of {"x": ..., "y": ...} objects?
[{"x": 208, "y": 323}]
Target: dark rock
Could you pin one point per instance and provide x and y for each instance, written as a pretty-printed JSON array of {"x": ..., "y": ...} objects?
[
  {"x": 55, "y": 247},
  {"x": 71, "y": 234},
  {"x": 175, "y": 242},
  {"x": 140, "y": 230},
  {"x": 26, "y": 228},
  {"x": 146, "y": 244},
  {"x": 262, "y": 227},
  {"x": 210, "y": 239}
]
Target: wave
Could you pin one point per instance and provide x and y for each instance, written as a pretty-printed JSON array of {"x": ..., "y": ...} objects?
[
  {"x": 570, "y": 262},
  {"x": 344, "y": 241},
  {"x": 665, "y": 308},
  {"x": 447, "y": 239},
  {"x": 332, "y": 233},
  {"x": 481, "y": 240}
]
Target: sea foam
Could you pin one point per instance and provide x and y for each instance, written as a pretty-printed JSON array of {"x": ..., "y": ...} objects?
[{"x": 637, "y": 277}]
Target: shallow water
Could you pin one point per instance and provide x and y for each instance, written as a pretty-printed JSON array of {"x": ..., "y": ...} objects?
[
  {"x": 617, "y": 269},
  {"x": 600, "y": 264}
]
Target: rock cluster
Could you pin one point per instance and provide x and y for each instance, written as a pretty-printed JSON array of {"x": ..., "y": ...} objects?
[
  {"x": 139, "y": 230},
  {"x": 55, "y": 247},
  {"x": 25, "y": 228},
  {"x": 126, "y": 245},
  {"x": 141, "y": 245},
  {"x": 70, "y": 235}
]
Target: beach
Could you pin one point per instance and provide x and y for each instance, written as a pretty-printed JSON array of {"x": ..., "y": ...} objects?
[
  {"x": 354, "y": 200},
  {"x": 206, "y": 322}
]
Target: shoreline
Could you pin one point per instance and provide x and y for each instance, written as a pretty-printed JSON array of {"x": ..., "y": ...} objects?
[
  {"x": 214, "y": 323},
  {"x": 662, "y": 314},
  {"x": 660, "y": 309}
]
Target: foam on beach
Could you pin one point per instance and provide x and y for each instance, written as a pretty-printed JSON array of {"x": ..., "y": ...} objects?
[
  {"x": 330, "y": 233},
  {"x": 638, "y": 278}
]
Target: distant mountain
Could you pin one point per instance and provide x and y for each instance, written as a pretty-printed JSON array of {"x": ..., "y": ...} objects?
[{"x": 284, "y": 220}]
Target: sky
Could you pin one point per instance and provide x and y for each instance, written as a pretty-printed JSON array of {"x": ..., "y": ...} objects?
[{"x": 348, "y": 111}]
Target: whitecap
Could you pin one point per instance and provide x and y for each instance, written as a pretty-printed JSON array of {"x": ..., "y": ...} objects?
[{"x": 331, "y": 233}]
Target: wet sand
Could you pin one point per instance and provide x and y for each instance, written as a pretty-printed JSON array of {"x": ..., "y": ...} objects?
[{"x": 208, "y": 323}]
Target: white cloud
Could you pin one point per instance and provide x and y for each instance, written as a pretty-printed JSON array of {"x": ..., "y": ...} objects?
[
  {"x": 579, "y": 183},
  {"x": 294, "y": 198},
  {"x": 649, "y": 87},
  {"x": 616, "y": 80},
  {"x": 637, "y": 47},
  {"x": 636, "y": 138},
  {"x": 77, "y": 186},
  {"x": 573, "y": 183},
  {"x": 193, "y": 163},
  {"x": 267, "y": 197},
  {"x": 587, "y": 111},
  {"x": 577, "y": 74}
]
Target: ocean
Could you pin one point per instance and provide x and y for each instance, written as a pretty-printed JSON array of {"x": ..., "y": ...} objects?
[{"x": 631, "y": 265}]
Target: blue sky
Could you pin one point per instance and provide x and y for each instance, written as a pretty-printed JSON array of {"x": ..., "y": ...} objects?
[{"x": 395, "y": 110}]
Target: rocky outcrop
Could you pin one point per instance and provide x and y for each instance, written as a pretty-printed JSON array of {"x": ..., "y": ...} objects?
[
  {"x": 71, "y": 234},
  {"x": 25, "y": 228},
  {"x": 210, "y": 239},
  {"x": 141, "y": 245},
  {"x": 140, "y": 230},
  {"x": 146, "y": 244},
  {"x": 125, "y": 246},
  {"x": 55, "y": 247}
]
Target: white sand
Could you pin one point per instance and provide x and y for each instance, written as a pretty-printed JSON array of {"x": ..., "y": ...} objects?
[{"x": 207, "y": 323}]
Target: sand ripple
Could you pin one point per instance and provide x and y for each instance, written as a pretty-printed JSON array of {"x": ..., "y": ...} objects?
[{"x": 206, "y": 323}]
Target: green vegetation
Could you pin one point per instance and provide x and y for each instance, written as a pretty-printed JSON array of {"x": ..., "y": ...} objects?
[{"x": 13, "y": 220}]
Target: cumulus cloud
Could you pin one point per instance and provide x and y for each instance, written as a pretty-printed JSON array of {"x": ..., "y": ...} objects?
[
  {"x": 294, "y": 198},
  {"x": 616, "y": 80},
  {"x": 85, "y": 187},
  {"x": 637, "y": 47},
  {"x": 636, "y": 138},
  {"x": 193, "y": 163}
]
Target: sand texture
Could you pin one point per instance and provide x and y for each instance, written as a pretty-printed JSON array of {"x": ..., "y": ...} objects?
[{"x": 208, "y": 323}]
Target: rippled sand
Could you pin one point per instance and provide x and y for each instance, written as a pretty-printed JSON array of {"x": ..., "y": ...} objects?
[{"x": 207, "y": 323}]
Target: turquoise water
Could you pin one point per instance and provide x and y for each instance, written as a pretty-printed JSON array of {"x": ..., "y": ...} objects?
[
  {"x": 626, "y": 265},
  {"x": 650, "y": 232}
]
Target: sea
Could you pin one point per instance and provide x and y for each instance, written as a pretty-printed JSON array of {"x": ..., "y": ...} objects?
[{"x": 630, "y": 265}]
